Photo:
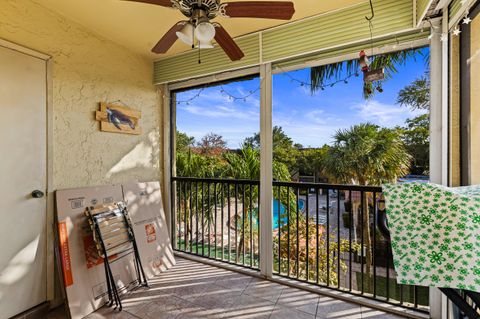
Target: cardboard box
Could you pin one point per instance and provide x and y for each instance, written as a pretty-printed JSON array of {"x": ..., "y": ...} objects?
[
  {"x": 83, "y": 270},
  {"x": 145, "y": 208}
]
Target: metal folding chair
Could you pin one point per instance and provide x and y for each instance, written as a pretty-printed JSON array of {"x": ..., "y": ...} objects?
[
  {"x": 114, "y": 239},
  {"x": 468, "y": 302}
]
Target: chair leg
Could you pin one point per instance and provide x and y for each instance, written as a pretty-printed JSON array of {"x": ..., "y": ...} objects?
[
  {"x": 109, "y": 288},
  {"x": 455, "y": 297}
]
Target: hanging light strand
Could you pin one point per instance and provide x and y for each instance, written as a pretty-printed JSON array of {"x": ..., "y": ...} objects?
[
  {"x": 232, "y": 97},
  {"x": 323, "y": 86},
  {"x": 223, "y": 91}
]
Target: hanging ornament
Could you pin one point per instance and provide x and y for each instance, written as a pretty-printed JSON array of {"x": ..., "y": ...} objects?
[
  {"x": 456, "y": 31},
  {"x": 364, "y": 61},
  {"x": 467, "y": 20},
  {"x": 369, "y": 75}
]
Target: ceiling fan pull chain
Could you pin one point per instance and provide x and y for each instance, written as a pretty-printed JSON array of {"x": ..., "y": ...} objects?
[{"x": 199, "y": 55}]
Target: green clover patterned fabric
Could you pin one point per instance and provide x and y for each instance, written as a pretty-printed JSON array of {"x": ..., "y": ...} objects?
[{"x": 435, "y": 232}]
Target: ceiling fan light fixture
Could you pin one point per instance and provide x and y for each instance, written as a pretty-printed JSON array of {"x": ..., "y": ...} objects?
[
  {"x": 205, "y": 45},
  {"x": 205, "y": 32},
  {"x": 186, "y": 34}
]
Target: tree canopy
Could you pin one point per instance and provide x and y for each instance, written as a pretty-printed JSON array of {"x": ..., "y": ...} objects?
[
  {"x": 417, "y": 94},
  {"x": 367, "y": 154},
  {"x": 284, "y": 150},
  {"x": 212, "y": 144}
]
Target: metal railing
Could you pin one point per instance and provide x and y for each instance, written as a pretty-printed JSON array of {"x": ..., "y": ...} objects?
[
  {"x": 328, "y": 235},
  {"x": 324, "y": 234},
  {"x": 217, "y": 219}
]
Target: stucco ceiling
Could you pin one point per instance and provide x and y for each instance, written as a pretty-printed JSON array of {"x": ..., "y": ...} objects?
[{"x": 139, "y": 26}]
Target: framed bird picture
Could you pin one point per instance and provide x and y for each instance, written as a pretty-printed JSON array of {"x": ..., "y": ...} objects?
[{"x": 118, "y": 119}]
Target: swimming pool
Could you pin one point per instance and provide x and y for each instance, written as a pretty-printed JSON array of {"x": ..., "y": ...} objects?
[{"x": 283, "y": 210}]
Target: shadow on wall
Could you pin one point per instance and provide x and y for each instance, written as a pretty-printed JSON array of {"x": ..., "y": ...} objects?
[{"x": 144, "y": 156}]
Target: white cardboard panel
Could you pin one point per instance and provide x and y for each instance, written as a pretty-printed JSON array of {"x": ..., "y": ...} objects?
[
  {"x": 144, "y": 203},
  {"x": 83, "y": 270}
]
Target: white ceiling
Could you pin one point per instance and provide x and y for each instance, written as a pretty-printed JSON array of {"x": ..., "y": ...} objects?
[{"x": 139, "y": 26}]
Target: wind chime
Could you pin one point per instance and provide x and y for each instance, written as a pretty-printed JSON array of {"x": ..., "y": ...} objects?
[{"x": 370, "y": 75}]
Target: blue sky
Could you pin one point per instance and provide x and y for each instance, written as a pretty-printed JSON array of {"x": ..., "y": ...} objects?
[{"x": 310, "y": 120}]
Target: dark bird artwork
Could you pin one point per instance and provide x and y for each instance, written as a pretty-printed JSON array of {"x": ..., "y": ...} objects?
[{"x": 116, "y": 118}]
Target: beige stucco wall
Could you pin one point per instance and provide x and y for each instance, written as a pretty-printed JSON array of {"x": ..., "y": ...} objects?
[
  {"x": 87, "y": 69},
  {"x": 475, "y": 100}
]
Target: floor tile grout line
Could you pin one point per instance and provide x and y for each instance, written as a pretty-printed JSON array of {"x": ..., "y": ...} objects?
[{"x": 132, "y": 314}]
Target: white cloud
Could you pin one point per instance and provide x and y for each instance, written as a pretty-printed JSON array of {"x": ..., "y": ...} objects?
[
  {"x": 317, "y": 116},
  {"x": 221, "y": 111},
  {"x": 383, "y": 114}
]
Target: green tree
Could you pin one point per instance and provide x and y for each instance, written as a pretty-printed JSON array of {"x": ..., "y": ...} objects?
[
  {"x": 246, "y": 165},
  {"x": 416, "y": 132},
  {"x": 417, "y": 94},
  {"x": 416, "y": 136},
  {"x": 184, "y": 142},
  {"x": 366, "y": 154},
  {"x": 189, "y": 164},
  {"x": 311, "y": 161},
  {"x": 284, "y": 150},
  {"x": 212, "y": 144}
]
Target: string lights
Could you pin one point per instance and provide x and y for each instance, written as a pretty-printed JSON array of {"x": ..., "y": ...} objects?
[
  {"x": 443, "y": 37},
  {"x": 324, "y": 86},
  {"x": 243, "y": 98},
  {"x": 223, "y": 91}
]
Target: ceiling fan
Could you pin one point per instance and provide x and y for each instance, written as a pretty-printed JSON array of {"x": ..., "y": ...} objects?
[{"x": 198, "y": 26}]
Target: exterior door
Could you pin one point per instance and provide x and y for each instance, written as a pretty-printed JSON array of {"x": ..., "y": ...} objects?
[{"x": 23, "y": 167}]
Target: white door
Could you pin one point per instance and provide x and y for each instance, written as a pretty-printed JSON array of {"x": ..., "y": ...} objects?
[{"x": 23, "y": 166}]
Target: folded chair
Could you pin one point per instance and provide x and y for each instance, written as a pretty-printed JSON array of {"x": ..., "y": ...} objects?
[
  {"x": 468, "y": 302},
  {"x": 114, "y": 239}
]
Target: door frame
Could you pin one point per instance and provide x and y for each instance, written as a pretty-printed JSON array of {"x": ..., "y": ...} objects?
[{"x": 50, "y": 249}]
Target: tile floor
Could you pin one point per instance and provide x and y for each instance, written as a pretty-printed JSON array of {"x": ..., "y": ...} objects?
[{"x": 196, "y": 290}]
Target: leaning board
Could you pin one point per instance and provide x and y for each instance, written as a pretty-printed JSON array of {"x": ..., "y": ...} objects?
[
  {"x": 145, "y": 208},
  {"x": 83, "y": 269}
]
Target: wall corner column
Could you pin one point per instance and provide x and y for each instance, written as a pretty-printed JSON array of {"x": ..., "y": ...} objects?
[
  {"x": 439, "y": 130},
  {"x": 266, "y": 173},
  {"x": 166, "y": 165}
]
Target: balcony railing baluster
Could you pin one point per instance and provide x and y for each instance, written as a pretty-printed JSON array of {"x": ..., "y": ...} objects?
[
  {"x": 251, "y": 227},
  {"x": 288, "y": 231},
  {"x": 351, "y": 226},
  {"x": 215, "y": 222},
  {"x": 317, "y": 235},
  {"x": 328, "y": 237},
  {"x": 339, "y": 275}
]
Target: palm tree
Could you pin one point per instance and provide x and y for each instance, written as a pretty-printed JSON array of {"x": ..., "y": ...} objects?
[
  {"x": 366, "y": 154},
  {"x": 189, "y": 164},
  {"x": 246, "y": 165},
  {"x": 319, "y": 75},
  {"x": 417, "y": 94}
]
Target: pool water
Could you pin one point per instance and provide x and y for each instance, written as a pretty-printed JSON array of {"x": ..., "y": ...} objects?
[{"x": 283, "y": 210}]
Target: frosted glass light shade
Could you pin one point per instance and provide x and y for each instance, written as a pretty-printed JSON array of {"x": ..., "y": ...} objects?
[
  {"x": 205, "y": 45},
  {"x": 205, "y": 32},
  {"x": 186, "y": 34}
]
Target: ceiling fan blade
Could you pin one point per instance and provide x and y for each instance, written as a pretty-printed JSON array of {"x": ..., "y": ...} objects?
[
  {"x": 168, "y": 38},
  {"x": 282, "y": 10},
  {"x": 163, "y": 3},
  {"x": 227, "y": 43}
]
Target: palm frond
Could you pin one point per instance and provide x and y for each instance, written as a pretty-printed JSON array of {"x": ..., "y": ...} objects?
[{"x": 320, "y": 75}]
